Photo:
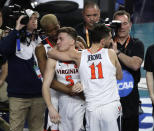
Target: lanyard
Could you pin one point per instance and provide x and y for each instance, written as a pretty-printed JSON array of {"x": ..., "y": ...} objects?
[
  {"x": 87, "y": 37},
  {"x": 18, "y": 42},
  {"x": 127, "y": 41}
]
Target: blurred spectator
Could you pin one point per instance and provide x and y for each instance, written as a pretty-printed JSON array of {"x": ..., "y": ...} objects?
[
  {"x": 3, "y": 84},
  {"x": 149, "y": 67},
  {"x": 3, "y": 70},
  {"x": 24, "y": 86},
  {"x": 91, "y": 15}
]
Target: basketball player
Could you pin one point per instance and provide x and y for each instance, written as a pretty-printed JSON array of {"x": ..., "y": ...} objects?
[
  {"x": 50, "y": 25},
  {"x": 71, "y": 108},
  {"x": 98, "y": 68}
]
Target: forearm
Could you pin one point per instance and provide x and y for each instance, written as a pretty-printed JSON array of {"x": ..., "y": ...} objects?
[
  {"x": 46, "y": 95},
  {"x": 60, "y": 87},
  {"x": 131, "y": 62}
]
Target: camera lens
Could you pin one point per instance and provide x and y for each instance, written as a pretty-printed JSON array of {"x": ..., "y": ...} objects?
[{"x": 24, "y": 20}]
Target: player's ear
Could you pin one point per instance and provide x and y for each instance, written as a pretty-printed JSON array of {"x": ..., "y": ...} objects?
[{"x": 102, "y": 41}]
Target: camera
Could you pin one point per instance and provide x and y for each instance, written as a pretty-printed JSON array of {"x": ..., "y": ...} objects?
[
  {"x": 11, "y": 13},
  {"x": 114, "y": 25}
]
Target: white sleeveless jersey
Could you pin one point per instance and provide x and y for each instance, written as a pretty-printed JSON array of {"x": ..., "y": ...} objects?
[
  {"x": 67, "y": 73},
  {"x": 47, "y": 47},
  {"x": 98, "y": 76}
]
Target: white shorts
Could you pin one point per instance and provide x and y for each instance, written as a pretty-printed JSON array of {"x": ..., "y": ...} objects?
[
  {"x": 72, "y": 114},
  {"x": 53, "y": 126},
  {"x": 104, "y": 118}
]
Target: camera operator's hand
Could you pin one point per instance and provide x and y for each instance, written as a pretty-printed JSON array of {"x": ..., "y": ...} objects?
[{"x": 19, "y": 26}]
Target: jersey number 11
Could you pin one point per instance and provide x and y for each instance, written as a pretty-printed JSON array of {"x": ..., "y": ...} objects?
[{"x": 100, "y": 72}]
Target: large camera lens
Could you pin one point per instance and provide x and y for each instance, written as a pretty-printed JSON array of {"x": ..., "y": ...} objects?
[{"x": 24, "y": 20}]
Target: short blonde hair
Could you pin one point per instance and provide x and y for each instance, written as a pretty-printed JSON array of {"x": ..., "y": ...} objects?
[{"x": 47, "y": 20}]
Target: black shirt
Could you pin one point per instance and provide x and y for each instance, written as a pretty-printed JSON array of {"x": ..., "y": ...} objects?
[
  {"x": 149, "y": 59},
  {"x": 130, "y": 103},
  {"x": 2, "y": 60},
  {"x": 81, "y": 30}
]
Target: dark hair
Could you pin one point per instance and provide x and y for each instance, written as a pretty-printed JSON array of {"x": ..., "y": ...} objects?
[
  {"x": 121, "y": 12},
  {"x": 90, "y": 4},
  {"x": 99, "y": 32},
  {"x": 69, "y": 30}
]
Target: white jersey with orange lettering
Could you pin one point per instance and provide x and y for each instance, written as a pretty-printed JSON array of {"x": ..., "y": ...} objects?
[
  {"x": 71, "y": 108},
  {"x": 98, "y": 76}
]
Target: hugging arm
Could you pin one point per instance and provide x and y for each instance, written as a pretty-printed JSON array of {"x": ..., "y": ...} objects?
[{"x": 70, "y": 55}]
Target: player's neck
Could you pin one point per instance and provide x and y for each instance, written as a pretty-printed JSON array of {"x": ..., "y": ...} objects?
[{"x": 95, "y": 47}]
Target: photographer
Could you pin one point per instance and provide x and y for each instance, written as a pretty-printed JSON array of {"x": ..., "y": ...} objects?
[
  {"x": 24, "y": 86},
  {"x": 130, "y": 52}
]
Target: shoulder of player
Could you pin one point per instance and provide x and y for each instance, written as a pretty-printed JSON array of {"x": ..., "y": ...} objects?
[
  {"x": 39, "y": 46},
  {"x": 39, "y": 49},
  {"x": 111, "y": 52}
]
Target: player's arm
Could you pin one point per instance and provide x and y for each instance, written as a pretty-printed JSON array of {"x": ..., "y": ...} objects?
[
  {"x": 150, "y": 84},
  {"x": 41, "y": 57},
  {"x": 119, "y": 73},
  {"x": 115, "y": 62},
  {"x": 61, "y": 87},
  {"x": 48, "y": 77},
  {"x": 70, "y": 55}
]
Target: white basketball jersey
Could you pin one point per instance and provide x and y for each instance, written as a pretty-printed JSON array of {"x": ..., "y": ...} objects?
[
  {"x": 67, "y": 73},
  {"x": 47, "y": 47},
  {"x": 98, "y": 76}
]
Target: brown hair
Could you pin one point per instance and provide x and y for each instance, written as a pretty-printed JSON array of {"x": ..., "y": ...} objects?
[
  {"x": 121, "y": 12},
  {"x": 69, "y": 30},
  {"x": 99, "y": 32}
]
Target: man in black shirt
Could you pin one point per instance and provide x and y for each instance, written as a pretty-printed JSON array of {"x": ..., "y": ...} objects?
[
  {"x": 91, "y": 15},
  {"x": 149, "y": 67},
  {"x": 130, "y": 52}
]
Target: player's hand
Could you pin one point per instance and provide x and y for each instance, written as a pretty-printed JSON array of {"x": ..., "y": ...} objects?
[
  {"x": 79, "y": 45},
  {"x": 54, "y": 116},
  {"x": 77, "y": 88}
]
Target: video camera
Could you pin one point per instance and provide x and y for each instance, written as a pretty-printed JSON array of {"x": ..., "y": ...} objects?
[
  {"x": 114, "y": 25},
  {"x": 11, "y": 13}
]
